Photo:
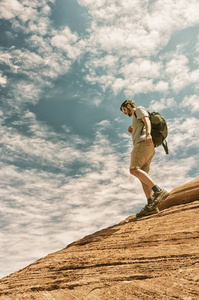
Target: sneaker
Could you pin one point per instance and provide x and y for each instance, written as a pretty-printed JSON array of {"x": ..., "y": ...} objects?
[
  {"x": 158, "y": 197},
  {"x": 146, "y": 211}
]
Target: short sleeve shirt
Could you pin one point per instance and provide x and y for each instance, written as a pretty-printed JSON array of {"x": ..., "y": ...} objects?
[{"x": 138, "y": 127}]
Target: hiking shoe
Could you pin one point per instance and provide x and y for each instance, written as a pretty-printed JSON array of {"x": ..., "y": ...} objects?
[
  {"x": 146, "y": 211},
  {"x": 158, "y": 197}
]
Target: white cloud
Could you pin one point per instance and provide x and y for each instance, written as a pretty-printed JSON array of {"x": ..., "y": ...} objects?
[
  {"x": 10, "y": 9},
  {"x": 96, "y": 101},
  {"x": 163, "y": 103},
  {"x": 108, "y": 61},
  {"x": 127, "y": 40},
  {"x": 167, "y": 16},
  {"x": 191, "y": 103},
  {"x": 3, "y": 80},
  {"x": 119, "y": 84},
  {"x": 162, "y": 86},
  {"x": 139, "y": 76},
  {"x": 139, "y": 86},
  {"x": 43, "y": 149},
  {"x": 46, "y": 54},
  {"x": 24, "y": 16},
  {"x": 104, "y": 124},
  {"x": 142, "y": 68},
  {"x": 194, "y": 75},
  {"x": 68, "y": 42},
  {"x": 104, "y": 80},
  {"x": 183, "y": 135},
  {"x": 176, "y": 69},
  {"x": 135, "y": 31},
  {"x": 5, "y": 58},
  {"x": 178, "y": 72},
  {"x": 25, "y": 92}
]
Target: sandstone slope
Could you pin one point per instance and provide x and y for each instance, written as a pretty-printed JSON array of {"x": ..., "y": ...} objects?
[{"x": 155, "y": 257}]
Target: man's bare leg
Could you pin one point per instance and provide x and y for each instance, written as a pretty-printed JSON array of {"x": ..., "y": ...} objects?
[
  {"x": 149, "y": 186},
  {"x": 148, "y": 192},
  {"x": 143, "y": 177}
]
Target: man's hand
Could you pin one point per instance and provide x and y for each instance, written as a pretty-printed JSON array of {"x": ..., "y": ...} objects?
[
  {"x": 130, "y": 129},
  {"x": 148, "y": 139}
]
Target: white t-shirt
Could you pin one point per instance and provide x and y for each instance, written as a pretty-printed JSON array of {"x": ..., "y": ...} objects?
[{"x": 138, "y": 127}]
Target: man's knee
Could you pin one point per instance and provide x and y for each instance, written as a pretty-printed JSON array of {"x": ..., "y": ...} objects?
[{"x": 134, "y": 170}]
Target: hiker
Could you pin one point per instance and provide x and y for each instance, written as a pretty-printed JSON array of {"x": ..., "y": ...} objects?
[{"x": 142, "y": 154}]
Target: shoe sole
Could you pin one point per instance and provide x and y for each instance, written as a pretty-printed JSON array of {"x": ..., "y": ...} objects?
[
  {"x": 157, "y": 201},
  {"x": 152, "y": 212}
]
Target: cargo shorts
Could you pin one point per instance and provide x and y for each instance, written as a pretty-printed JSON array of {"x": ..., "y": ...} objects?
[{"x": 141, "y": 156}]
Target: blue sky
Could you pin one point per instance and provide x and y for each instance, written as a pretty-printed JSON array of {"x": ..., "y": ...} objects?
[{"x": 65, "y": 68}]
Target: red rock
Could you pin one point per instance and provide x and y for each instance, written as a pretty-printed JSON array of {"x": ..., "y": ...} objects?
[{"x": 155, "y": 257}]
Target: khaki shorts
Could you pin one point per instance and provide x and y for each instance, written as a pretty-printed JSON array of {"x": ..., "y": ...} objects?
[{"x": 141, "y": 156}]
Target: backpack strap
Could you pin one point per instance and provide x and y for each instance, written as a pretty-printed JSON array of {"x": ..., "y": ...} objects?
[{"x": 165, "y": 146}]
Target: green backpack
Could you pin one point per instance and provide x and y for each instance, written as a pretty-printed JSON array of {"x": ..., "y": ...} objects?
[{"x": 159, "y": 130}]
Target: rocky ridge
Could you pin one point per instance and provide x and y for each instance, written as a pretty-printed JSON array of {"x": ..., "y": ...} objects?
[{"x": 154, "y": 257}]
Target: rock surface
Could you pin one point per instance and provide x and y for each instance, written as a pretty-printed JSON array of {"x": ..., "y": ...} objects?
[{"x": 154, "y": 257}]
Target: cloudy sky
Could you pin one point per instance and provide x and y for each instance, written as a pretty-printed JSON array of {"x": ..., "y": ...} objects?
[{"x": 66, "y": 66}]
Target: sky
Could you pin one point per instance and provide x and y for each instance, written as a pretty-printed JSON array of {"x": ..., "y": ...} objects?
[{"x": 65, "y": 68}]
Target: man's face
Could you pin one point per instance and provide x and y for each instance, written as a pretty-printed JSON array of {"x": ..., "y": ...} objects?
[{"x": 127, "y": 111}]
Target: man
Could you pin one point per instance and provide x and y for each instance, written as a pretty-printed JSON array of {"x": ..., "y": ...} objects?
[{"x": 142, "y": 154}]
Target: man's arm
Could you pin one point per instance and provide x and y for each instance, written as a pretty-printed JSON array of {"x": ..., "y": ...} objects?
[
  {"x": 147, "y": 124},
  {"x": 130, "y": 129}
]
